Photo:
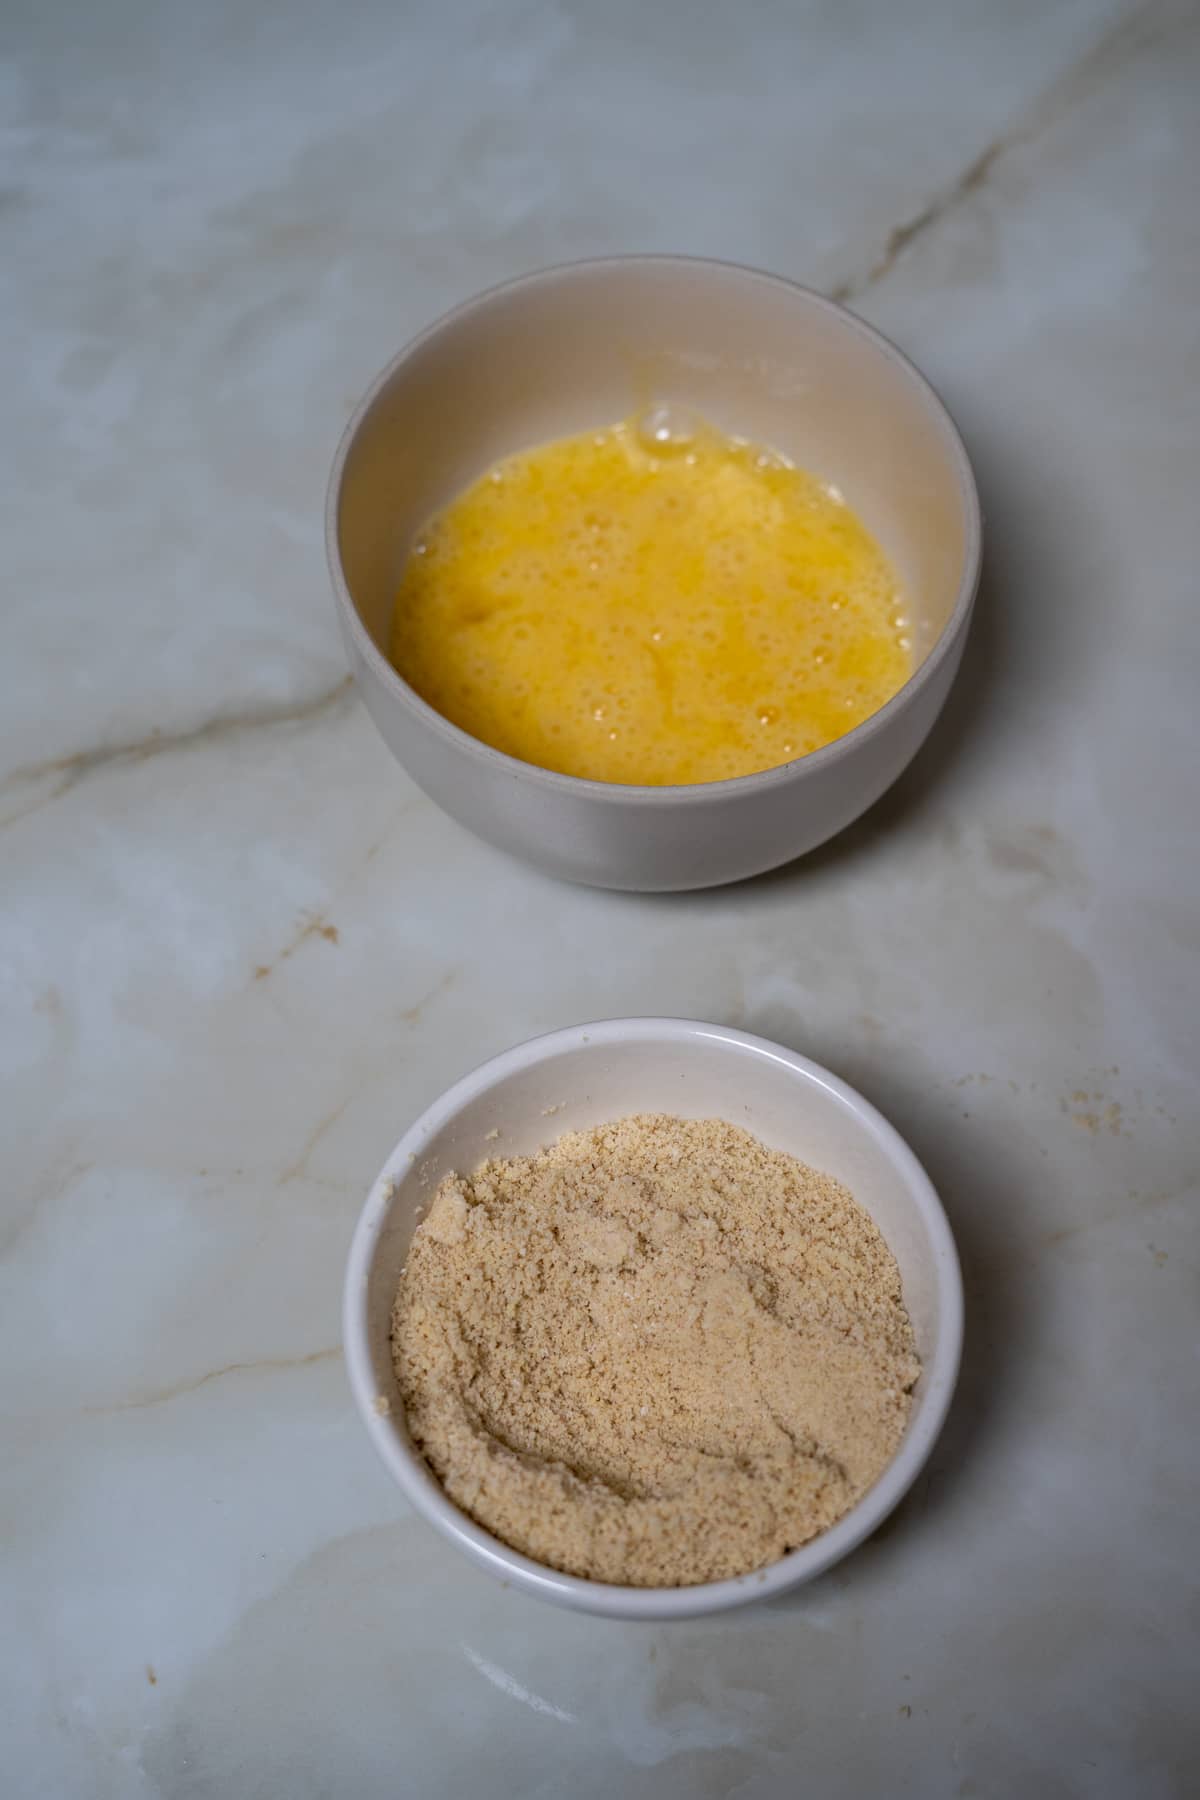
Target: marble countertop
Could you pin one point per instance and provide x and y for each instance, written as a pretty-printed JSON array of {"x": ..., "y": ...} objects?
[{"x": 239, "y": 950}]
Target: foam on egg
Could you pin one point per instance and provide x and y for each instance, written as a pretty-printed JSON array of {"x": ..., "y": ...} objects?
[{"x": 655, "y": 603}]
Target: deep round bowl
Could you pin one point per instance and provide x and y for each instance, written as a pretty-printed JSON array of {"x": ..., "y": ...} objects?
[
  {"x": 585, "y": 1076},
  {"x": 575, "y": 348}
]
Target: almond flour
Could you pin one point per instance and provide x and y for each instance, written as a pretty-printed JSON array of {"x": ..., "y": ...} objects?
[{"x": 654, "y": 1353}]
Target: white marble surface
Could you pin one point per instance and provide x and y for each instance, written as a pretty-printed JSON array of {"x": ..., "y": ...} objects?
[{"x": 239, "y": 951}]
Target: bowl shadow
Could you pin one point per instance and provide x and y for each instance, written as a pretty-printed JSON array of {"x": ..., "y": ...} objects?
[
  {"x": 1020, "y": 654},
  {"x": 975, "y": 1189}
]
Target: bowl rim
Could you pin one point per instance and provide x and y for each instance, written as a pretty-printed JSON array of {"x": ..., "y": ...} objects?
[
  {"x": 685, "y": 793},
  {"x": 421, "y": 1487}
]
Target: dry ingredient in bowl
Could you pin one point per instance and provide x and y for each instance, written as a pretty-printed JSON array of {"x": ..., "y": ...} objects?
[{"x": 654, "y": 1353}]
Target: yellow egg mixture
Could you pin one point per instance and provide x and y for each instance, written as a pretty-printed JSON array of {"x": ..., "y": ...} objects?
[{"x": 653, "y": 603}]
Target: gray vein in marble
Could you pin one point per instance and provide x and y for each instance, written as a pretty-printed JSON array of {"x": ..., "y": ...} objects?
[
  {"x": 45, "y": 1193},
  {"x": 66, "y": 772},
  {"x": 1097, "y": 66}
]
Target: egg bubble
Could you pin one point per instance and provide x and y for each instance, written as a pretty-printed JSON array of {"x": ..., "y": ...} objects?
[{"x": 665, "y": 428}]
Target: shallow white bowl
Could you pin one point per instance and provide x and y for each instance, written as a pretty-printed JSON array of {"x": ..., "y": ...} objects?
[
  {"x": 584, "y": 1076},
  {"x": 572, "y": 349}
]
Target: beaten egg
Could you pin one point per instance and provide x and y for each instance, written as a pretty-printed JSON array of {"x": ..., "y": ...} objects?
[{"x": 654, "y": 603}]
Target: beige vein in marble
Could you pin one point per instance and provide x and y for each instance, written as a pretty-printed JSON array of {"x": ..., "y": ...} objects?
[
  {"x": 1097, "y": 66},
  {"x": 66, "y": 772},
  {"x": 160, "y": 1396}
]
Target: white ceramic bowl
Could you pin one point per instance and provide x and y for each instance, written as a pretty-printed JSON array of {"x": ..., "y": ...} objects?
[
  {"x": 579, "y": 347},
  {"x": 592, "y": 1073}
]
